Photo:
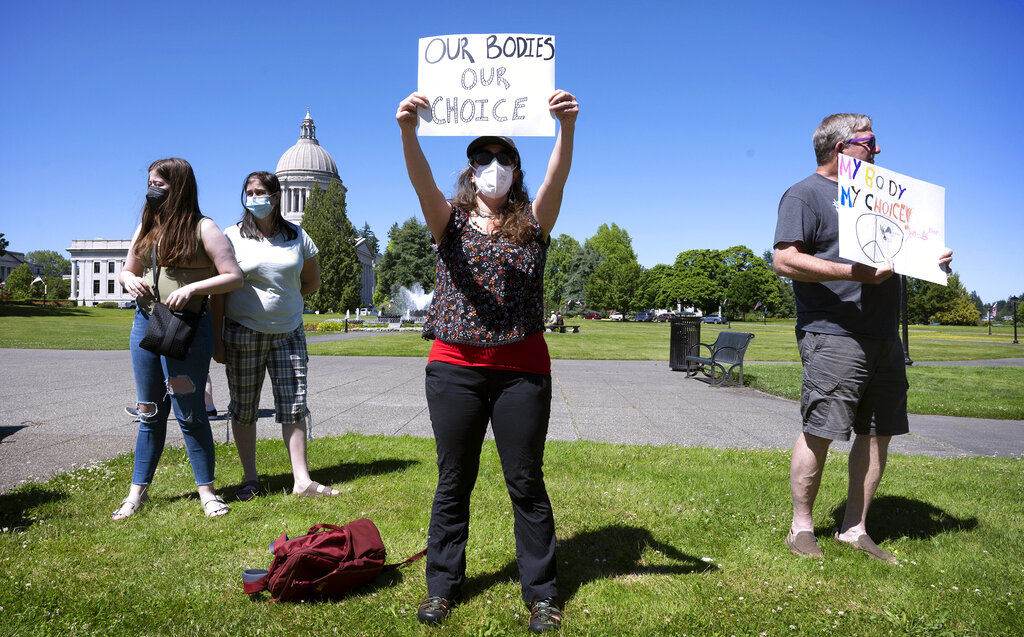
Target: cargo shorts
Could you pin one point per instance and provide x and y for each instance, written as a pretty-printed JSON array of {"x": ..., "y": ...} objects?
[{"x": 851, "y": 383}]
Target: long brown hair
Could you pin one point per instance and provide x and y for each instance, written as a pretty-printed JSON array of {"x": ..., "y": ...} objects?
[
  {"x": 512, "y": 219},
  {"x": 248, "y": 227},
  {"x": 172, "y": 224}
]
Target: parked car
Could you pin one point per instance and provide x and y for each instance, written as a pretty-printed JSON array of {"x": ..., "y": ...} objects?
[
  {"x": 682, "y": 314},
  {"x": 592, "y": 315},
  {"x": 615, "y": 316},
  {"x": 641, "y": 316},
  {"x": 717, "y": 319},
  {"x": 126, "y": 305},
  {"x": 664, "y": 316}
]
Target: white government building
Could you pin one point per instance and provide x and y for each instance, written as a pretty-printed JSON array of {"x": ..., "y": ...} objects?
[{"x": 96, "y": 263}]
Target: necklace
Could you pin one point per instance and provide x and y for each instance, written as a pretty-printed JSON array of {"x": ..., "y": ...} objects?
[{"x": 480, "y": 214}]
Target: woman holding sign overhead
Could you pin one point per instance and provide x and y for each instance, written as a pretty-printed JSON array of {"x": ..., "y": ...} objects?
[{"x": 489, "y": 361}]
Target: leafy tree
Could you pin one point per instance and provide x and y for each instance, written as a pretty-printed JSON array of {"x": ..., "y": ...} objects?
[
  {"x": 584, "y": 262},
  {"x": 787, "y": 300},
  {"x": 19, "y": 283},
  {"x": 3, "y": 245},
  {"x": 556, "y": 269},
  {"x": 52, "y": 262},
  {"x": 756, "y": 285},
  {"x": 408, "y": 259},
  {"x": 371, "y": 238},
  {"x": 655, "y": 288},
  {"x": 701, "y": 279},
  {"x": 613, "y": 283},
  {"x": 57, "y": 287},
  {"x": 327, "y": 224}
]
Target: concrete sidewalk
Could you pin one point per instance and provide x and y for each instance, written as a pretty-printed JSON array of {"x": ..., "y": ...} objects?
[{"x": 65, "y": 408}]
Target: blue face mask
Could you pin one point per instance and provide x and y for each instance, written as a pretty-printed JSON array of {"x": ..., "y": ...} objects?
[{"x": 260, "y": 207}]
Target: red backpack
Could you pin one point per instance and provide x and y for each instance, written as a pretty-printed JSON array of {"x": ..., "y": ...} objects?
[{"x": 327, "y": 562}]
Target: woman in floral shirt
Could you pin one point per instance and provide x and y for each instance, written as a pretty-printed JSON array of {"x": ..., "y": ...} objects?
[{"x": 489, "y": 361}]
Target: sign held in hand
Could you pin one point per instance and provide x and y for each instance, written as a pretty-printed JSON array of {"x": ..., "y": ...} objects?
[
  {"x": 487, "y": 84},
  {"x": 884, "y": 216}
]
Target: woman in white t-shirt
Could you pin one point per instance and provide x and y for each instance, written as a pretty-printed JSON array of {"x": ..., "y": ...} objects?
[{"x": 262, "y": 330}]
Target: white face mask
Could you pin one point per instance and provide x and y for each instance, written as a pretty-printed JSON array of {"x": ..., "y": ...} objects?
[
  {"x": 494, "y": 180},
  {"x": 259, "y": 206}
]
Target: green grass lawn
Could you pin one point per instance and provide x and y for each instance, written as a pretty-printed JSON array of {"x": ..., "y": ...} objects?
[
  {"x": 954, "y": 391},
  {"x": 652, "y": 541}
]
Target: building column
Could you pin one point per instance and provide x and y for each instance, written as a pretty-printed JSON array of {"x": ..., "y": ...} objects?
[{"x": 74, "y": 277}]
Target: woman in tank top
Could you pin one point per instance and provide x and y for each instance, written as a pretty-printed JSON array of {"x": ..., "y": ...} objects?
[
  {"x": 489, "y": 361},
  {"x": 194, "y": 261}
]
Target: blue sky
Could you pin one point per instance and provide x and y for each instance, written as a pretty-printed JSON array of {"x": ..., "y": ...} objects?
[{"x": 695, "y": 117}]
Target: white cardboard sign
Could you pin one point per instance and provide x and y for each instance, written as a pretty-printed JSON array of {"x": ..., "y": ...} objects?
[
  {"x": 885, "y": 215},
  {"x": 487, "y": 84}
]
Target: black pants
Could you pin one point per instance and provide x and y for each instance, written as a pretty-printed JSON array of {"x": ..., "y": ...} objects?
[{"x": 461, "y": 401}]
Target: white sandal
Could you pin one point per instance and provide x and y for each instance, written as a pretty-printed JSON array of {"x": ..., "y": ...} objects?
[
  {"x": 123, "y": 511},
  {"x": 218, "y": 509}
]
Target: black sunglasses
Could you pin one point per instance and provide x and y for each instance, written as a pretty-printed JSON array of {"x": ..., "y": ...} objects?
[{"x": 485, "y": 157}]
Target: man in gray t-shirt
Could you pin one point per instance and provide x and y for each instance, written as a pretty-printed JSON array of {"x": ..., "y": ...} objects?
[{"x": 854, "y": 376}]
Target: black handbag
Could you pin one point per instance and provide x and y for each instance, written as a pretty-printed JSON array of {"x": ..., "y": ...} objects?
[{"x": 169, "y": 333}]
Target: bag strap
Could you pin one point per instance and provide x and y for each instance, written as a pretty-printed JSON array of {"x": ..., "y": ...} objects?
[
  {"x": 156, "y": 275},
  {"x": 410, "y": 560}
]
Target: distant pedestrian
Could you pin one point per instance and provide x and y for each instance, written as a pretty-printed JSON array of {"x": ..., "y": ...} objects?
[{"x": 489, "y": 360}]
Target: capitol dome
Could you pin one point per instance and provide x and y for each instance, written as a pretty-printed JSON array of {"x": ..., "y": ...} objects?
[
  {"x": 304, "y": 166},
  {"x": 307, "y": 154}
]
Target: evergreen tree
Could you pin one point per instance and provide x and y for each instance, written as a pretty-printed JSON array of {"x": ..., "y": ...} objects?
[
  {"x": 407, "y": 260},
  {"x": 3, "y": 245},
  {"x": 371, "y": 238},
  {"x": 926, "y": 299},
  {"x": 584, "y": 262},
  {"x": 327, "y": 224},
  {"x": 556, "y": 270}
]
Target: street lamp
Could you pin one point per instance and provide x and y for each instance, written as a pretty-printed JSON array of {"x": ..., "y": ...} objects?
[{"x": 1014, "y": 300}]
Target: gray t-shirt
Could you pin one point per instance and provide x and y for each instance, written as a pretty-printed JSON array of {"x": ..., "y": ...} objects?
[
  {"x": 808, "y": 213},
  {"x": 269, "y": 301}
]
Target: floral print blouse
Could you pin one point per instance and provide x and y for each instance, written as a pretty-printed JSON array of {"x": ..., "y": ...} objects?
[{"x": 489, "y": 290}]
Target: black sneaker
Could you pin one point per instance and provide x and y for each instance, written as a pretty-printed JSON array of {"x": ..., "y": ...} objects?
[
  {"x": 545, "y": 615},
  {"x": 132, "y": 411},
  {"x": 434, "y": 610}
]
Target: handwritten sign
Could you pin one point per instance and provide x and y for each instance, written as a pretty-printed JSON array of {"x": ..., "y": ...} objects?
[
  {"x": 885, "y": 215},
  {"x": 487, "y": 84}
]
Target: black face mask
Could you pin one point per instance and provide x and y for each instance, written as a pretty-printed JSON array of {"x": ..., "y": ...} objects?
[{"x": 156, "y": 196}]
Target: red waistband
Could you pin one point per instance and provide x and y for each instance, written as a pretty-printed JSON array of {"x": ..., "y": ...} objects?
[{"x": 529, "y": 355}]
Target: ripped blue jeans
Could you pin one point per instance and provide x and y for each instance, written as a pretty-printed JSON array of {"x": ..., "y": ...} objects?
[{"x": 178, "y": 385}]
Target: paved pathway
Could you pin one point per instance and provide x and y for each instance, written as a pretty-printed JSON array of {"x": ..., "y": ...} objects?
[{"x": 64, "y": 408}]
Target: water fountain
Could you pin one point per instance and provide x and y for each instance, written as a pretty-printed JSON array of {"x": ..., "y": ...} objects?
[{"x": 412, "y": 303}]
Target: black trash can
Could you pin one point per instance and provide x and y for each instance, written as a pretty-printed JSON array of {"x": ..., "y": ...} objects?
[{"x": 685, "y": 336}]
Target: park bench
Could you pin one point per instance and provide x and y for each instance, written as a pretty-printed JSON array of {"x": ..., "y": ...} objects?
[
  {"x": 725, "y": 355},
  {"x": 575, "y": 329}
]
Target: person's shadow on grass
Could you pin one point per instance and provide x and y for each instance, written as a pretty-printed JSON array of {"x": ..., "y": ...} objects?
[
  {"x": 606, "y": 553},
  {"x": 281, "y": 483},
  {"x": 14, "y": 505},
  {"x": 894, "y": 516}
]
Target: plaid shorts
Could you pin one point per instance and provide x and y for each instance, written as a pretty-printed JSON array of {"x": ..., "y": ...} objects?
[{"x": 250, "y": 355}]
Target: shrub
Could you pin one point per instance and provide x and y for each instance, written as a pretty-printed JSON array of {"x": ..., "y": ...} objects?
[{"x": 107, "y": 305}]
